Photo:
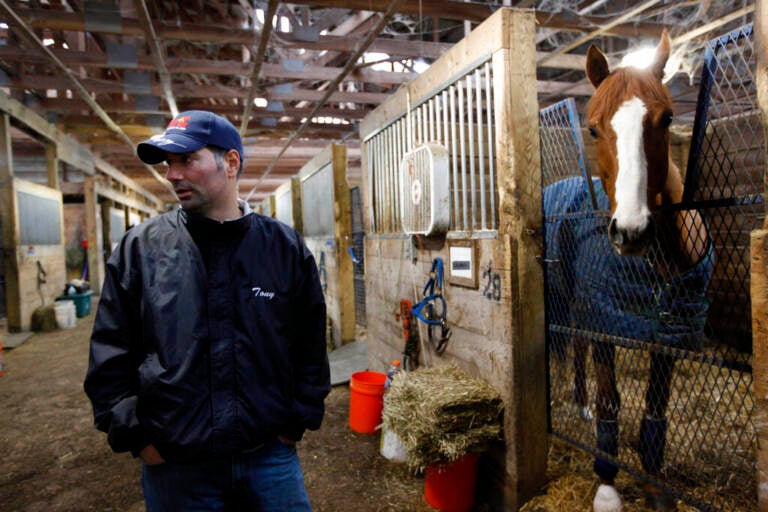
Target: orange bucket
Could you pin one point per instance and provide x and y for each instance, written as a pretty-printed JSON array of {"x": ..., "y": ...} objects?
[
  {"x": 366, "y": 400},
  {"x": 451, "y": 487}
]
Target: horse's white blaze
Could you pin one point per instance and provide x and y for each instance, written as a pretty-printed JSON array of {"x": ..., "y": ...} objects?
[{"x": 632, "y": 180}]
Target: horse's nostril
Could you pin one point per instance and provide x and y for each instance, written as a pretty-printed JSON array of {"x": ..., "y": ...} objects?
[{"x": 614, "y": 235}]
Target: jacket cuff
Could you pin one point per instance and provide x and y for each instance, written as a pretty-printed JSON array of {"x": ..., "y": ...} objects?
[
  {"x": 125, "y": 433},
  {"x": 293, "y": 433}
]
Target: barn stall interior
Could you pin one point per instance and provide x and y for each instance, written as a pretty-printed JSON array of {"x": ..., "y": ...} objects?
[
  {"x": 318, "y": 204},
  {"x": 83, "y": 82}
]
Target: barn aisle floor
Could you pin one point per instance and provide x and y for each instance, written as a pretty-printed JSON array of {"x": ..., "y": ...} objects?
[{"x": 52, "y": 459}]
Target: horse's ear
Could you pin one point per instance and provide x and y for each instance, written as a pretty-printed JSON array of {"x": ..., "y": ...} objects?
[
  {"x": 662, "y": 54},
  {"x": 597, "y": 66}
]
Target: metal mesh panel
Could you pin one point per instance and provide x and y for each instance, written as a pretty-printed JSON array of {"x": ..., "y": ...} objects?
[
  {"x": 459, "y": 117},
  {"x": 358, "y": 245},
  {"x": 726, "y": 166},
  {"x": 116, "y": 225},
  {"x": 39, "y": 220},
  {"x": 284, "y": 208},
  {"x": 317, "y": 203},
  {"x": 653, "y": 374}
]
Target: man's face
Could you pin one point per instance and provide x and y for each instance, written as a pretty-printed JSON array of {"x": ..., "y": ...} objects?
[{"x": 200, "y": 184}]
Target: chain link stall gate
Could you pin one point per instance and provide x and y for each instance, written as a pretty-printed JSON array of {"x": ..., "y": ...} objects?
[
  {"x": 709, "y": 459},
  {"x": 357, "y": 248}
]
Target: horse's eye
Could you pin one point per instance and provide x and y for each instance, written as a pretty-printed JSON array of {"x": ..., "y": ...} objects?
[
  {"x": 593, "y": 132},
  {"x": 666, "y": 119}
]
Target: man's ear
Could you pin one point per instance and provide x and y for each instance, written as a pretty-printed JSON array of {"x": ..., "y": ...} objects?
[{"x": 233, "y": 163}]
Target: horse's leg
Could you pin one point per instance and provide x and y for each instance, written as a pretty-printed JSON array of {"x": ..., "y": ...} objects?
[
  {"x": 607, "y": 407},
  {"x": 653, "y": 426},
  {"x": 580, "y": 397}
]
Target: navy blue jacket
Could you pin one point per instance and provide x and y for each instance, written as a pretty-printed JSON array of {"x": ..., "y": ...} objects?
[{"x": 208, "y": 351}]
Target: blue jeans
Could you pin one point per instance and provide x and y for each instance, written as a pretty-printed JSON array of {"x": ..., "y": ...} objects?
[{"x": 265, "y": 480}]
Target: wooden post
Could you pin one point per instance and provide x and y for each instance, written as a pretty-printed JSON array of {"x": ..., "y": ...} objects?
[
  {"x": 759, "y": 276},
  {"x": 298, "y": 219},
  {"x": 519, "y": 185},
  {"x": 52, "y": 164},
  {"x": 343, "y": 229},
  {"x": 93, "y": 234},
  {"x": 10, "y": 235},
  {"x": 759, "y": 293}
]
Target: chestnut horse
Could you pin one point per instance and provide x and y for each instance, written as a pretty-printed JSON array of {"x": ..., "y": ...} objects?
[{"x": 647, "y": 279}]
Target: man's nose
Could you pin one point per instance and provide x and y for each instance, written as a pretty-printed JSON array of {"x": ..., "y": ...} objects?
[{"x": 173, "y": 172}]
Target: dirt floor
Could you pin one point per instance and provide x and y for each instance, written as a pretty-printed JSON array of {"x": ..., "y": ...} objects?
[{"x": 52, "y": 459}]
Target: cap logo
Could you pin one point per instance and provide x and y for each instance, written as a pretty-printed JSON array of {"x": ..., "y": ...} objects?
[
  {"x": 180, "y": 122},
  {"x": 162, "y": 140}
]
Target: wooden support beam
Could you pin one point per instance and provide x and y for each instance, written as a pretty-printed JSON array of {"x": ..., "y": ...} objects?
[
  {"x": 52, "y": 164},
  {"x": 342, "y": 209},
  {"x": 266, "y": 30},
  {"x": 157, "y": 54},
  {"x": 759, "y": 275},
  {"x": 107, "y": 169},
  {"x": 628, "y": 15},
  {"x": 10, "y": 235},
  {"x": 68, "y": 149},
  {"x": 446, "y": 9}
]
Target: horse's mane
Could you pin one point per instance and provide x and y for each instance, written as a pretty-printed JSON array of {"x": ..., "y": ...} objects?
[{"x": 624, "y": 83}]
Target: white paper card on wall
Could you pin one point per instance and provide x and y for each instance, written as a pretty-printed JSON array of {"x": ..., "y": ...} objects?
[{"x": 461, "y": 262}]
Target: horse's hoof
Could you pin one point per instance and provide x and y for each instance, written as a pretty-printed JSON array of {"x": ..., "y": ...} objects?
[
  {"x": 656, "y": 499},
  {"x": 606, "y": 499}
]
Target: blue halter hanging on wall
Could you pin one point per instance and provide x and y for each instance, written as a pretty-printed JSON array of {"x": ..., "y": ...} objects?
[{"x": 432, "y": 308}]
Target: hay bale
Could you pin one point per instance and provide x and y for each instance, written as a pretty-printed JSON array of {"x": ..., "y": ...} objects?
[
  {"x": 44, "y": 319},
  {"x": 441, "y": 413}
]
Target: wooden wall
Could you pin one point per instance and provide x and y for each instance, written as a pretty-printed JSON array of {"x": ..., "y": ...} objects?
[
  {"x": 40, "y": 269},
  {"x": 497, "y": 322}
]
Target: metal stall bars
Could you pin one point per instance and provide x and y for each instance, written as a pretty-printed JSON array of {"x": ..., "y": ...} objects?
[{"x": 459, "y": 117}]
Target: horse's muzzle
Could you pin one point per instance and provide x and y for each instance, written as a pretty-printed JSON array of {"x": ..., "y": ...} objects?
[{"x": 634, "y": 241}]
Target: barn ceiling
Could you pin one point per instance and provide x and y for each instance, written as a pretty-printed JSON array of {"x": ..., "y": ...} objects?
[{"x": 111, "y": 73}]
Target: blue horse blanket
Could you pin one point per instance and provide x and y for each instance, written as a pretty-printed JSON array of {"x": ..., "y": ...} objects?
[{"x": 591, "y": 287}]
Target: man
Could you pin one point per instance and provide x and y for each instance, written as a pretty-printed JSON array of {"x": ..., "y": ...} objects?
[{"x": 208, "y": 357}]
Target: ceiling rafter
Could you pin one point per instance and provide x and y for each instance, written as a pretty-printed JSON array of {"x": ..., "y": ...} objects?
[
  {"x": 266, "y": 31},
  {"x": 391, "y": 9},
  {"x": 157, "y": 54},
  {"x": 212, "y": 61},
  {"x": 603, "y": 29},
  {"x": 27, "y": 33},
  {"x": 445, "y": 9}
]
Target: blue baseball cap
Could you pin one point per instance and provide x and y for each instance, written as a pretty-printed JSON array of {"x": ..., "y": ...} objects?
[{"x": 188, "y": 132}]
